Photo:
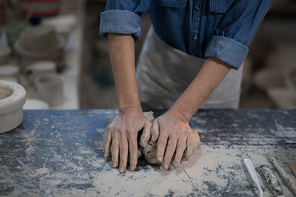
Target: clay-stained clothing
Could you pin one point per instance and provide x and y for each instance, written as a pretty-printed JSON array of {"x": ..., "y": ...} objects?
[{"x": 164, "y": 72}]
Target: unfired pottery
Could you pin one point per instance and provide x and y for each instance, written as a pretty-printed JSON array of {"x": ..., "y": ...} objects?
[
  {"x": 4, "y": 54},
  {"x": 33, "y": 104},
  {"x": 55, "y": 53},
  {"x": 9, "y": 71},
  {"x": 44, "y": 53},
  {"x": 50, "y": 88},
  {"x": 41, "y": 37},
  {"x": 40, "y": 68},
  {"x": 12, "y": 99}
]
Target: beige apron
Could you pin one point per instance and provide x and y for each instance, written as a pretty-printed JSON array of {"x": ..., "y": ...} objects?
[{"x": 164, "y": 72}]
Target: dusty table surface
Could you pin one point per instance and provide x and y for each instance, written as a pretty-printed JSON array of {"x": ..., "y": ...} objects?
[{"x": 60, "y": 153}]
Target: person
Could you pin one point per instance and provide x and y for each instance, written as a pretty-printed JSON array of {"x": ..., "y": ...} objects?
[{"x": 190, "y": 60}]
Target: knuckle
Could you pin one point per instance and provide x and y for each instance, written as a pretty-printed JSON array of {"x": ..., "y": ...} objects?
[
  {"x": 190, "y": 143},
  {"x": 111, "y": 126}
]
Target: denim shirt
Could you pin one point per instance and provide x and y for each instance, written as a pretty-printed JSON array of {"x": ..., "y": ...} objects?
[{"x": 204, "y": 28}]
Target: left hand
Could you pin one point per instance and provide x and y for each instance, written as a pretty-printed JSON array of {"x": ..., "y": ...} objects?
[{"x": 174, "y": 136}]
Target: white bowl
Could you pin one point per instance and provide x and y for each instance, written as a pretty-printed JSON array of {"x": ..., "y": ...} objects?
[
  {"x": 36, "y": 38},
  {"x": 12, "y": 99},
  {"x": 10, "y": 70},
  {"x": 48, "y": 52},
  {"x": 62, "y": 23},
  {"x": 35, "y": 104}
]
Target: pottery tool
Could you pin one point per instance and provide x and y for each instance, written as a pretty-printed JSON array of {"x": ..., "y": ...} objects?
[
  {"x": 271, "y": 180},
  {"x": 290, "y": 142},
  {"x": 282, "y": 173},
  {"x": 293, "y": 167},
  {"x": 253, "y": 175}
]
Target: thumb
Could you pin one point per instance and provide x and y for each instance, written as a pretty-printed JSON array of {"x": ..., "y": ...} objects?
[
  {"x": 155, "y": 130},
  {"x": 146, "y": 134}
]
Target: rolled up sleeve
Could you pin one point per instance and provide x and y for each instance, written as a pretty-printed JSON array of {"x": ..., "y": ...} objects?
[
  {"x": 227, "y": 50},
  {"x": 236, "y": 31},
  {"x": 123, "y": 17}
]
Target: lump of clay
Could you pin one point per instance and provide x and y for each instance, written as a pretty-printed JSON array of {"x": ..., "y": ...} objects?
[{"x": 149, "y": 152}]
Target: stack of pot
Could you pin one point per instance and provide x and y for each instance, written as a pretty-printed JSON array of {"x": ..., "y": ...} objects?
[{"x": 40, "y": 43}]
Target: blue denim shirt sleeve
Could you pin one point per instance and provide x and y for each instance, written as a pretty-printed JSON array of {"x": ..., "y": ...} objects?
[
  {"x": 221, "y": 28},
  {"x": 233, "y": 36},
  {"x": 123, "y": 17}
]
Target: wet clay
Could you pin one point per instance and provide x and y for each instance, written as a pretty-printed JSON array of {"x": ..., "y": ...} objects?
[{"x": 149, "y": 151}]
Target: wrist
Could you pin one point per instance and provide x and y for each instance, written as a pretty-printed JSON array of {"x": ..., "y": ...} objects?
[
  {"x": 127, "y": 108},
  {"x": 179, "y": 114}
]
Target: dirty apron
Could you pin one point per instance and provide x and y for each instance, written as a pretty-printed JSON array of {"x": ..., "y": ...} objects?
[{"x": 164, "y": 72}]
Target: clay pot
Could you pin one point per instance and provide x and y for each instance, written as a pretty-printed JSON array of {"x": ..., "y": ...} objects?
[
  {"x": 35, "y": 104},
  {"x": 9, "y": 71},
  {"x": 12, "y": 99},
  {"x": 55, "y": 53},
  {"x": 4, "y": 54},
  {"x": 41, "y": 37},
  {"x": 40, "y": 68},
  {"x": 50, "y": 88}
]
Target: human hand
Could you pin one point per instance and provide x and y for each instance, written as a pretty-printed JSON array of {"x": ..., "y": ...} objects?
[
  {"x": 175, "y": 135},
  {"x": 122, "y": 137}
]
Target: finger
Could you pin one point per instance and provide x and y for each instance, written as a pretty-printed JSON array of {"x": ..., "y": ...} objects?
[
  {"x": 170, "y": 150},
  {"x": 107, "y": 144},
  {"x": 146, "y": 134},
  {"x": 114, "y": 151},
  {"x": 181, "y": 145},
  {"x": 133, "y": 148},
  {"x": 189, "y": 150},
  {"x": 123, "y": 153},
  {"x": 155, "y": 131},
  {"x": 161, "y": 144}
]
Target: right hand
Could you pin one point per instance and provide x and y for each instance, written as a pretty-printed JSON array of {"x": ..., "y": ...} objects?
[{"x": 122, "y": 137}]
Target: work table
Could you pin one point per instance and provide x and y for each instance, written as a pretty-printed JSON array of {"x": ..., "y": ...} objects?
[{"x": 60, "y": 153}]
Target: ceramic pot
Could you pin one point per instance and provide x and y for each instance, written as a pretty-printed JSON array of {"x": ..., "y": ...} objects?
[
  {"x": 35, "y": 104},
  {"x": 50, "y": 88},
  {"x": 40, "y": 37},
  {"x": 10, "y": 71},
  {"x": 4, "y": 54},
  {"x": 12, "y": 99},
  {"x": 40, "y": 68}
]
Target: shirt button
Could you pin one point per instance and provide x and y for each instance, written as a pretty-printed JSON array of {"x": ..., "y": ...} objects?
[
  {"x": 197, "y": 8},
  {"x": 195, "y": 37}
]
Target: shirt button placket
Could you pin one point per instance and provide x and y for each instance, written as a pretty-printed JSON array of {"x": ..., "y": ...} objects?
[{"x": 195, "y": 23}]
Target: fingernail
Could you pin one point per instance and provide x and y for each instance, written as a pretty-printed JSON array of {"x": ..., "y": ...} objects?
[
  {"x": 105, "y": 155},
  {"x": 132, "y": 167},
  {"x": 144, "y": 142},
  {"x": 177, "y": 164},
  {"x": 187, "y": 158},
  {"x": 160, "y": 159},
  {"x": 166, "y": 166},
  {"x": 121, "y": 169},
  {"x": 114, "y": 164}
]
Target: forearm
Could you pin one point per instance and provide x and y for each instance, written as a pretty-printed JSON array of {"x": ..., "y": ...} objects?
[
  {"x": 209, "y": 77},
  {"x": 122, "y": 56}
]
